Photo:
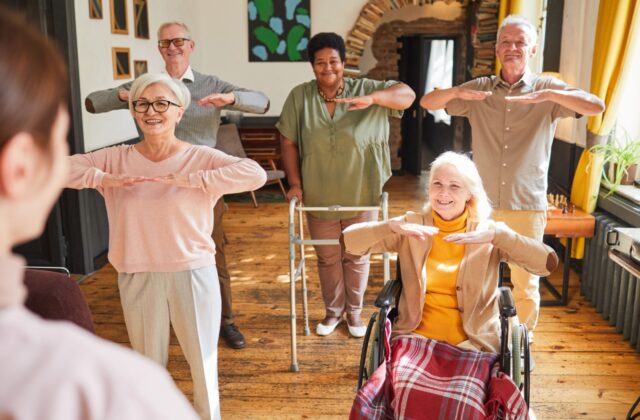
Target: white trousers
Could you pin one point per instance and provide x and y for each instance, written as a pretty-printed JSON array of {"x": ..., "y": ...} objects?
[{"x": 190, "y": 301}]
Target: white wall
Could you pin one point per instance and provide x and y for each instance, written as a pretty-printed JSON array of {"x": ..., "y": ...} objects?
[
  {"x": 576, "y": 53},
  {"x": 219, "y": 28}
]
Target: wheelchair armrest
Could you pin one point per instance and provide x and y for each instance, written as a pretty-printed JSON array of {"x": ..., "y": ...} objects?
[
  {"x": 506, "y": 302},
  {"x": 388, "y": 294}
]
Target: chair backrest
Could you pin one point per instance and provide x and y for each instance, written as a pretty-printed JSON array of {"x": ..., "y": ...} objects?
[
  {"x": 56, "y": 296},
  {"x": 228, "y": 141}
]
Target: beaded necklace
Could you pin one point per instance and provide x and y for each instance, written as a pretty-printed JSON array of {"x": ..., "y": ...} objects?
[{"x": 338, "y": 93}]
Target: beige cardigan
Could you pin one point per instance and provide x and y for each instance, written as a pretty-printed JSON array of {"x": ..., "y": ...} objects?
[{"x": 477, "y": 277}]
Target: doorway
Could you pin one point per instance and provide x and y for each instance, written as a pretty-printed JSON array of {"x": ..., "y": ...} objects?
[{"x": 427, "y": 62}]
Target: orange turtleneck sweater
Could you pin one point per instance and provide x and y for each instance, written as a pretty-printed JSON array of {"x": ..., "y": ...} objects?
[{"x": 441, "y": 319}]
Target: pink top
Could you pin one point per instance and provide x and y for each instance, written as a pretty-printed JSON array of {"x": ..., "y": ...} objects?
[
  {"x": 155, "y": 227},
  {"x": 57, "y": 371}
]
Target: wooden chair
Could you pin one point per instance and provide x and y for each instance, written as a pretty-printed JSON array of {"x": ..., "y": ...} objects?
[{"x": 229, "y": 142}]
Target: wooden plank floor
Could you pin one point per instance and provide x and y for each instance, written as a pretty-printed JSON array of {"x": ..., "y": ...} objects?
[{"x": 584, "y": 369}]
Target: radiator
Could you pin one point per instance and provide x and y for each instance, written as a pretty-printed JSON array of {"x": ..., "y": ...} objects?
[{"x": 612, "y": 290}]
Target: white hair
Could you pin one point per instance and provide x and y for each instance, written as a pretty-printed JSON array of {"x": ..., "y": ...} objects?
[
  {"x": 175, "y": 23},
  {"x": 479, "y": 205},
  {"x": 179, "y": 90},
  {"x": 522, "y": 23}
]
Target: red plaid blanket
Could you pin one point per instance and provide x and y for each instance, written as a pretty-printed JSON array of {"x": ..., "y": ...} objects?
[{"x": 427, "y": 379}]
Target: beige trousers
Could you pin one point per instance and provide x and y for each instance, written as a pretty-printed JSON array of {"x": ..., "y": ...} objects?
[
  {"x": 526, "y": 287},
  {"x": 190, "y": 301},
  {"x": 343, "y": 277}
]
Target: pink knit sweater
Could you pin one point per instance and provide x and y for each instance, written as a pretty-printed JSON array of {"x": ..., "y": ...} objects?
[{"x": 155, "y": 227}]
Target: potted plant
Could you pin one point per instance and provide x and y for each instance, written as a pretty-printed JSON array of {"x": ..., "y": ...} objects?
[{"x": 620, "y": 161}]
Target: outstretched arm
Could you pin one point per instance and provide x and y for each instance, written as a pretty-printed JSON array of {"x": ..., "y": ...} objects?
[
  {"x": 439, "y": 98},
  {"x": 229, "y": 175},
  {"x": 89, "y": 171},
  {"x": 577, "y": 100},
  {"x": 108, "y": 100},
  {"x": 399, "y": 96},
  {"x": 224, "y": 94}
]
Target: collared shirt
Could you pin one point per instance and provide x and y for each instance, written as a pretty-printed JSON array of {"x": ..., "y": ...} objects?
[
  {"x": 187, "y": 75},
  {"x": 511, "y": 142},
  {"x": 344, "y": 159},
  {"x": 55, "y": 370}
]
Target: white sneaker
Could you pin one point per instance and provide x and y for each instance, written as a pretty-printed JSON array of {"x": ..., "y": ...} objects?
[
  {"x": 357, "y": 332},
  {"x": 324, "y": 330}
]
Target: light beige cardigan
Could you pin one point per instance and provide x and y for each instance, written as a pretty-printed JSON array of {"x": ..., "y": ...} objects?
[{"x": 477, "y": 277}]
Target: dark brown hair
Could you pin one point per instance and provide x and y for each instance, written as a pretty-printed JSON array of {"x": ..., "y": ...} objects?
[{"x": 33, "y": 81}]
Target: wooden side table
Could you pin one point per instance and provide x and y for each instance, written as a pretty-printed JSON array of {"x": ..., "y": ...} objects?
[{"x": 566, "y": 225}]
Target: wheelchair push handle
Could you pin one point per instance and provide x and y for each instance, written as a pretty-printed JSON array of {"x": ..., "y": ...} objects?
[
  {"x": 389, "y": 294},
  {"x": 506, "y": 302}
]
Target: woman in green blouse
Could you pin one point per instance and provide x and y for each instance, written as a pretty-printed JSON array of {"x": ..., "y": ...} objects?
[{"x": 335, "y": 151}]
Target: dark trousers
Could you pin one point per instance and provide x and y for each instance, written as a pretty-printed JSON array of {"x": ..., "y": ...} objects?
[{"x": 221, "y": 263}]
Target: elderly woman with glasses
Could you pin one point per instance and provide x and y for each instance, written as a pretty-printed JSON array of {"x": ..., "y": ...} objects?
[{"x": 159, "y": 194}]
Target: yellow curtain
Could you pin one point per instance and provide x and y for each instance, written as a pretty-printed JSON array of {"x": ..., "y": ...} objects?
[{"x": 617, "y": 36}]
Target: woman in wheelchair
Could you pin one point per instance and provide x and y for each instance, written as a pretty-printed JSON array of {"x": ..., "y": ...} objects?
[{"x": 447, "y": 331}]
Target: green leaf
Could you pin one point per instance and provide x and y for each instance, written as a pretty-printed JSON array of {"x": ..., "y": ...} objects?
[
  {"x": 267, "y": 37},
  {"x": 265, "y": 9},
  {"x": 293, "y": 38}
]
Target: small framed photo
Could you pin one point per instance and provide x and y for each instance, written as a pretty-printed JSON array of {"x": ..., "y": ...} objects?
[
  {"x": 141, "y": 18},
  {"x": 95, "y": 9},
  {"x": 139, "y": 68},
  {"x": 121, "y": 63},
  {"x": 119, "y": 21}
]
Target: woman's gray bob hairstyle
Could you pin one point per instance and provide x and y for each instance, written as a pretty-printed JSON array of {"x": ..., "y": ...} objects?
[
  {"x": 180, "y": 91},
  {"x": 479, "y": 205}
]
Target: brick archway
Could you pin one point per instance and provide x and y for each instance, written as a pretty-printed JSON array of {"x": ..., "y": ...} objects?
[{"x": 367, "y": 23}]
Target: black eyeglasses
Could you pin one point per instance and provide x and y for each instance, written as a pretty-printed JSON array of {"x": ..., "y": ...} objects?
[
  {"x": 160, "y": 105},
  {"x": 178, "y": 42}
]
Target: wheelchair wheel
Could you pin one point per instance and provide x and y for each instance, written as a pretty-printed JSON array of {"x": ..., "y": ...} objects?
[{"x": 369, "y": 348}]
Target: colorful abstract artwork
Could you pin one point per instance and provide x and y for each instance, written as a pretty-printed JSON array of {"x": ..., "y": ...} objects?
[{"x": 279, "y": 30}]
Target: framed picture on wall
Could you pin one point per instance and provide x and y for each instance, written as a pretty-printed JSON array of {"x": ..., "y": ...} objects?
[
  {"x": 119, "y": 17},
  {"x": 141, "y": 18},
  {"x": 278, "y": 30},
  {"x": 139, "y": 67},
  {"x": 121, "y": 63},
  {"x": 95, "y": 9}
]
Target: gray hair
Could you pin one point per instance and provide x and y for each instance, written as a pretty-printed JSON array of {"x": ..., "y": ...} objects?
[
  {"x": 182, "y": 25},
  {"x": 479, "y": 205},
  {"x": 179, "y": 90},
  {"x": 524, "y": 24}
]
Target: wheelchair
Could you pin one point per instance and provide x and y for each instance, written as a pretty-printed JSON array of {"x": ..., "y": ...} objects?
[{"x": 514, "y": 337}]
